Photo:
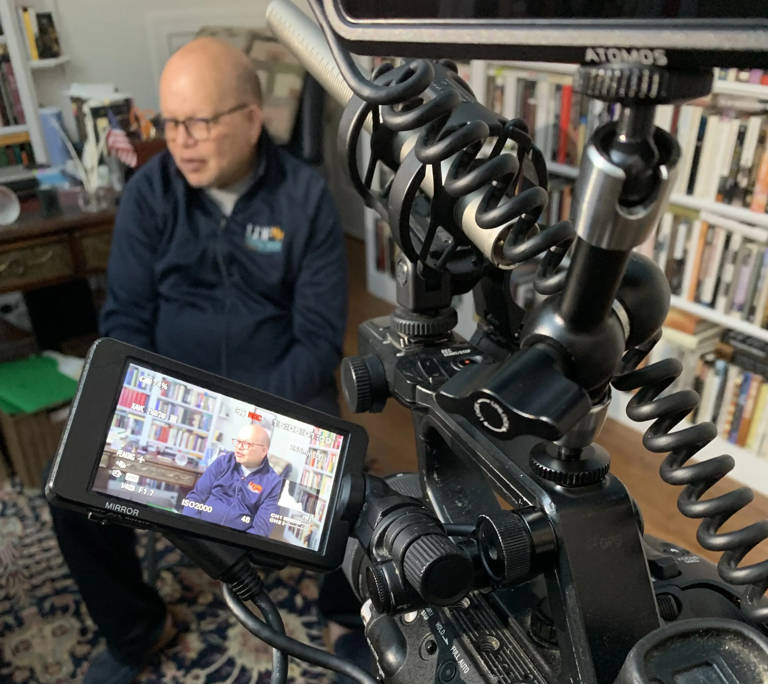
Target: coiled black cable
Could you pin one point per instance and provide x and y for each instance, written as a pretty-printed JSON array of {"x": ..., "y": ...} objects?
[
  {"x": 667, "y": 412},
  {"x": 399, "y": 100},
  {"x": 507, "y": 196}
]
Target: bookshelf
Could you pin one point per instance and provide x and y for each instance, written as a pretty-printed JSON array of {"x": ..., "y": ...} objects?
[
  {"x": 25, "y": 68},
  {"x": 194, "y": 411},
  {"x": 50, "y": 63}
]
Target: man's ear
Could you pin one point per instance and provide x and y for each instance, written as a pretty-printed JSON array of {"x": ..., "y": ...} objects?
[{"x": 257, "y": 122}]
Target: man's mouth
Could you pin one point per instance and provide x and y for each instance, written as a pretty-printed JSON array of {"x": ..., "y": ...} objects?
[{"x": 192, "y": 164}]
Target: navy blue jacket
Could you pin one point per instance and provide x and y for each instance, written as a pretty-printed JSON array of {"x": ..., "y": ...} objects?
[
  {"x": 243, "y": 502},
  {"x": 259, "y": 297}
]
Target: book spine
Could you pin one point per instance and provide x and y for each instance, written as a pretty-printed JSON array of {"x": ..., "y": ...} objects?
[
  {"x": 749, "y": 410},
  {"x": 566, "y": 104},
  {"x": 29, "y": 32},
  {"x": 758, "y": 268},
  {"x": 728, "y": 403},
  {"x": 738, "y": 410},
  {"x": 759, "y": 417},
  {"x": 688, "y": 126},
  {"x": 728, "y": 272},
  {"x": 709, "y": 284},
  {"x": 14, "y": 92},
  {"x": 697, "y": 243},
  {"x": 760, "y": 191}
]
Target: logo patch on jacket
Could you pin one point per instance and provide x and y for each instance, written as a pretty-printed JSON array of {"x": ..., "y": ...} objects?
[
  {"x": 264, "y": 239},
  {"x": 255, "y": 487}
]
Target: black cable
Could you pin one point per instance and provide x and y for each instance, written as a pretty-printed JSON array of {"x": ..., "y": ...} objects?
[
  {"x": 292, "y": 647},
  {"x": 272, "y": 616}
]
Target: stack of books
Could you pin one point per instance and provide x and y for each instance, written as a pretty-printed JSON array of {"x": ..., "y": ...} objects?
[
  {"x": 728, "y": 369},
  {"x": 11, "y": 111},
  {"x": 734, "y": 392}
]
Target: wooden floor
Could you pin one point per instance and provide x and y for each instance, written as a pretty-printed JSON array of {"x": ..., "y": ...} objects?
[{"x": 392, "y": 445}]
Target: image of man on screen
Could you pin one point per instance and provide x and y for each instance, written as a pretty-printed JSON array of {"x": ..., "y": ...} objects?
[{"x": 239, "y": 489}]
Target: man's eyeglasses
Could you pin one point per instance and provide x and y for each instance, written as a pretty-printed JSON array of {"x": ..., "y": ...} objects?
[
  {"x": 198, "y": 128},
  {"x": 244, "y": 444}
]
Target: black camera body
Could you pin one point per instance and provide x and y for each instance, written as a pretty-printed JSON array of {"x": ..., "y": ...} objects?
[{"x": 514, "y": 625}]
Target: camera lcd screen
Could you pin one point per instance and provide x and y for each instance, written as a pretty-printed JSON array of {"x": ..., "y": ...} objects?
[
  {"x": 195, "y": 452},
  {"x": 594, "y": 9}
]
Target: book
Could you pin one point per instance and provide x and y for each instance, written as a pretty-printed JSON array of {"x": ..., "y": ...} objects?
[
  {"x": 760, "y": 189},
  {"x": 704, "y": 123},
  {"x": 707, "y": 167},
  {"x": 758, "y": 267},
  {"x": 759, "y": 313},
  {"x": 738, "y": 409},
  {"x": 707, "y": 387},
  {"x": 696, "y": 244},
  {"x": 27, "y": 18},
  {"x": 760, "y": 417},
  {"x": 47, "y": 37},
  {"x": 686, "y": 322},
  {"x": 748, "y": 263},
  {"x": 688, "y": 126},
  {"x": 728, "y": 271},
  {"x": 566, "y": 105},
  {"x": 755, "y": 384},
  {"x": 728, "y": 187},
  {"x": 711, "y": 271},
  {"x": 712, "y": 393},
  {"x": 730, "y": 398},
  {"x": 760, "y": 148},
  {"x": 10, "y": 80}
]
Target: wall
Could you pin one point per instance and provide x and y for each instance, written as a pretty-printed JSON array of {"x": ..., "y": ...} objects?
[{"x": 114, "y": 43}]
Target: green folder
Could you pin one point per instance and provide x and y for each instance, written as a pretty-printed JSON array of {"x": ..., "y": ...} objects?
[{"x": 32, "y": 384}]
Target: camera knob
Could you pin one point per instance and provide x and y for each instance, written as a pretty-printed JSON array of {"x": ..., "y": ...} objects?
[
  {"x": 630, "y": 83},
  {"x": 437, "y": 569},
  {"x": 506, "y": 546},
  {"x": 364, "y": 383}
]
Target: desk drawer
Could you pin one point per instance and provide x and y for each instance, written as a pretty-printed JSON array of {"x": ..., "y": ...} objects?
[
  {"x": 95, "y": 248},
  {"x": 26, "y": 265}
]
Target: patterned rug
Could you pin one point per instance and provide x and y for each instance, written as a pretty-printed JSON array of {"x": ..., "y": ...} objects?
[{"x": 47, "y": 637}]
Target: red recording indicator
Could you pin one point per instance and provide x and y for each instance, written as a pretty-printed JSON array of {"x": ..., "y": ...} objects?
[{"x": 254, "y": 416}]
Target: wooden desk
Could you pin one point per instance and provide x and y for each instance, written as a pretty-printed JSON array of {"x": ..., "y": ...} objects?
[
  {"x": 153, "y": 467},
  {"x": 37, "y": 251}
]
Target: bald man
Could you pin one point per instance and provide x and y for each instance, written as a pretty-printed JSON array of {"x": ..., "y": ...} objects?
[
  {"x": 227, "y": 254},
  {"x": 239, "y": 489}
]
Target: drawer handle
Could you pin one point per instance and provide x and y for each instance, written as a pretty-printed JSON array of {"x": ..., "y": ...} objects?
[
  {"x": 37, "y": 261},
  {"x": 15, "y": 264}
]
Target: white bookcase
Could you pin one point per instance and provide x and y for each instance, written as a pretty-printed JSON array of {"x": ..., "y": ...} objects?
[{"x": 25, "y": 69}]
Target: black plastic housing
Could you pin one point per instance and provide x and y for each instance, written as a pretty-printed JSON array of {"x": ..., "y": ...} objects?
[{"x": 82, "y": 444}]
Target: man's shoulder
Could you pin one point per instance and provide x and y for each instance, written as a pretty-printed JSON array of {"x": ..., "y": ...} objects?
[
  {"x": 222, "y": 463},
  {"x": 298, "y": 177},
  {"x": 270, "y": 474},
  {"x": 154, "y": 180}
]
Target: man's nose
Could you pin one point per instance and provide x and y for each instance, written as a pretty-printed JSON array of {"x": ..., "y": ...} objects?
[{"x": 184, "y": 138}]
